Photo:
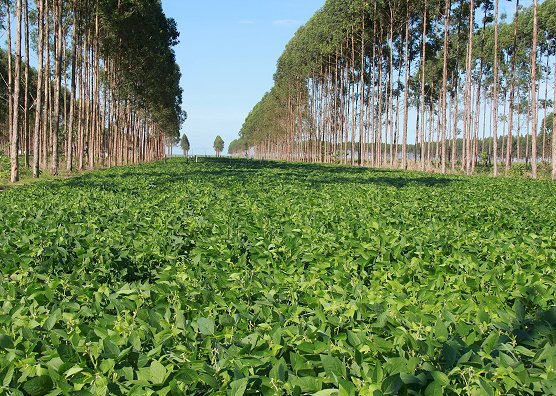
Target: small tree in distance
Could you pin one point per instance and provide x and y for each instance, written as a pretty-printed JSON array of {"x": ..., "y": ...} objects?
[
  {"x": 185, "y": 146},
  {"x": 218, "y": 145}
]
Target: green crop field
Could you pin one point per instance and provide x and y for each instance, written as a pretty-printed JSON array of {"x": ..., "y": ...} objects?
[{"x": 242, "y": 278}]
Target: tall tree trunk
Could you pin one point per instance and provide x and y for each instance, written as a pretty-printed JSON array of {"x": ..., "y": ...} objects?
[
  {"x": 69, "y": 154},
  {"x": 512, "y": 93},
  {"x": 554, "y": 129},
  {"x": 495, "y": 92},
  {"x": 378, "y": 139},
  {"x": 543, "y": 155},
  {"x": 394, "y": 146},
  {"x": 534, "y": 112},
  {"x": 362, "y": 90},
  {"x": 469, "y": 89},
  {"x": 390, "y": 90},
  {"x": 406, "y": 90},
  {"x": 455, "y": 97},
  {"x": 528, "y": 131},
  {"x": 14, "y": 148},
  {"x": 353, "y": 97},
  {"x": 518, "y": 126},
  {"x": 445, "y": 82},
  {"x": 10, "y": 76},
  {"x": 57, "y": 83},
  {"x": 455, "y": 127},
  {"x": 47, "y": 87},
  {"x": 423, "y": 63},
  {"x": 38, "y": 99},
  {"x": 26, "y": 93}
]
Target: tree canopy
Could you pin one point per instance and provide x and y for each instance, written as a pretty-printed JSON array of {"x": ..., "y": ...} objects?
[
  {"x": 218, "y": 145},
  {"x": 185, "y": 146}
]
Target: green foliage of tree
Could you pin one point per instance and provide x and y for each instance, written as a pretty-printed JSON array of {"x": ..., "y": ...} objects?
[
  {"x": 218, "y": 145},
  {"x": 184, "y": 144},
  {"x": 238, "y": 147},
  {"x": 140, "y": 38}
]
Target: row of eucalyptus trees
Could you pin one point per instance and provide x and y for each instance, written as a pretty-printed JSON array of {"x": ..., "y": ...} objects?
[
  {"x": 476, "y": 87},
  {"x": 105, "y": 90}
]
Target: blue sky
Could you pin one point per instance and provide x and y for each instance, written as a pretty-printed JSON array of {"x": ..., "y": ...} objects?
[{"x": 228, "y": 55}]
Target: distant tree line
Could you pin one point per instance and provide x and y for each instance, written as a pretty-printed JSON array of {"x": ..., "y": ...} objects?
[
  {"x": 106, "y": 88},
  {"x": 475, "y": 84}
]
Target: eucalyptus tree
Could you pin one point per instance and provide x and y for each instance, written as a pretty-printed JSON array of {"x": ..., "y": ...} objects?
[
  {"x": 14, "y": 121},
  {"x": 423, "y": 83},
  {"x": 73, "y": 94},
  {"x": 534, "y": 90},
  {"x": 495, "y": 91},
  {"x": 27, "y": 82},
  {"x": 468, "y": 125},
  {"x": 185, "y": 146},
  {"x": 443, "y": 124},
  {"x": 40, "y": 83},
  {"x": 407, "y": 68},
  {"x": 512, "y": 88},
  {"x": 58, "y": 54},
  {"x": 238, "y": 147},
  {"x": 554, "y": 138},
  {"x": 218, "y": 145}
]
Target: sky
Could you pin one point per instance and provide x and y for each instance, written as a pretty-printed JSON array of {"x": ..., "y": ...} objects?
[{"x": 227, "y": 54}]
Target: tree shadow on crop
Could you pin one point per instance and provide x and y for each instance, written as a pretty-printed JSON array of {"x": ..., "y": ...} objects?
[
  {"x": 543, "y": 325},
  {"x": 223, "y": 172},
  {"x": 529, "y": 333},
  {"x": 319, "y": 174}
]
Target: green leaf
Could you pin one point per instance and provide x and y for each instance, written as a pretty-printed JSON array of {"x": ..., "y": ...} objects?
[
  {"x": 67, "y": 353},
  {"x": 107, "y": 365},
  {"x": 490, "y": 342},
  {"x": 434, "y": 389},
  {"x": 206, "y": 326},
  {"x": 158, "y": 373},
  {"x": 39, "y": 386},
  {"x": 441, "y": 378},
  {"x": 333, "y": 367},
  {"x": 327, "y": 392},
  {"x": 52, "y": 319},
  {"x": 486, "y": 387},
  {"x": 110, "y": 348},
  {"x": 6, "y": 342},
  {"x": 307, "y": 384},
  {"x": 72, "y": 371},
  {"x": 391, "y": 385},
  {"x": 441, "y": 331},
  {"x": 278, "y": 371},
  {"x": 238, "y": 387},
  {"x": 8, "y": 376},
  {"x": 409, "y": 379},
  {"x": 347, "y": 388}
]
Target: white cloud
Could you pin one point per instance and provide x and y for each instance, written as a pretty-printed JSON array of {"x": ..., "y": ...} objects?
[{"x": 286, "y": 22}]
